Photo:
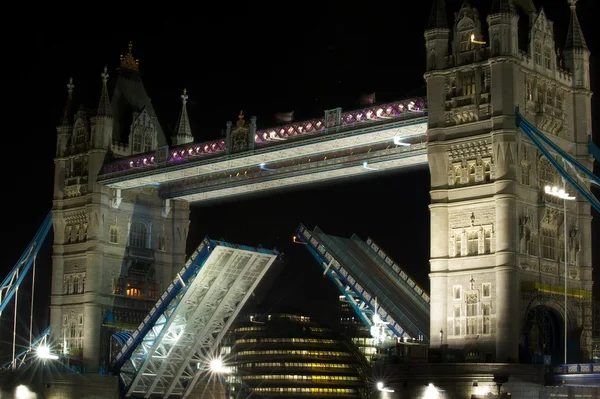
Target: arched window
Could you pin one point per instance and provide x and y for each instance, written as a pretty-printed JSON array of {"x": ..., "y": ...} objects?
[
  {"x": 138, "y": 235},
  {"x": 537, "y": 53},
  {"x": 547, "y": 59},
  {"x": 79, "y": 129},
  {"x": 137, "y": 142},
  {"x": 148, "y": 141},
  {"x": 465, "y": 41}
]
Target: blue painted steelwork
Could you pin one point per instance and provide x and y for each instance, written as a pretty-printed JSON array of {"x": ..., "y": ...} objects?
[
  {"x": 122, "y": 337},
  {"x": 16, "y": 276},
  {"x": 368, "y": 283},
  {"x": 21, "y": 355},
  {"x": 537, "y": 138},
  {"x": 581, "y": 374},
  {"x": 162, "y": 310}
]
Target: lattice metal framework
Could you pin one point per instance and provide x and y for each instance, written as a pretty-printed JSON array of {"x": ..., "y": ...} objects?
[
  {"x": 368, "y": 285},
  {"x": 185, "y": 327}
]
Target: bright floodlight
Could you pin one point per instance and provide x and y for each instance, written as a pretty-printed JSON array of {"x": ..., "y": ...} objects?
[
  {"x": 216, "y": 366},
  {"x": 558, "y": 192},
  {"x": 398, "y": 141},
  {"x": 380, "y": 385},
  {"x": 22, "y": 392},
  {"x": 43, "y": 352}
]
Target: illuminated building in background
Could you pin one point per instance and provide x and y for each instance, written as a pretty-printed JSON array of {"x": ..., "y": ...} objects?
[{"x": 288, "y": 355}]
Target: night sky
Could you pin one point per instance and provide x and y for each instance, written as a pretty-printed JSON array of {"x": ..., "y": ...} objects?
[{"x": 261, "y": 58}]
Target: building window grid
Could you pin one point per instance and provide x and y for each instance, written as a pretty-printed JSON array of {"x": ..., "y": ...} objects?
[
  {"x": 468, "y": 84},
  {"x": 547, "y": 59},
  {"x": 537, "y": 53},
  {"x": 548, "y": 243},
  {"x": 465, "y": 41},
  {"x": 114, "y": 235}
]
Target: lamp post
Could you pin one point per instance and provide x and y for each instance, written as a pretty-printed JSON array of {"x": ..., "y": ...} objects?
[{"x": 562, "y": 193}]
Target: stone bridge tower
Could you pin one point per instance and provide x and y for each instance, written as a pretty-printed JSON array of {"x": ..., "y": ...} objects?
[
  {"x": 113, "y": 252},
  {"x": 497, "y": 244}
]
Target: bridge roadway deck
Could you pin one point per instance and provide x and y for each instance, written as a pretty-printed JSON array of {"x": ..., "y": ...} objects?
[
  {"x": 185, "y": 172},
  {"x": 410, "y": 310}
]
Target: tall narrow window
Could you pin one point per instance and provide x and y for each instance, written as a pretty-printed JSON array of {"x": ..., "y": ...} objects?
[
  {"x": 525, "y": 173},
  {"x": 114, "y": 235},
  {"x": 138, "y": 236},
  {"x": 559, "y": 101},
  {"x": 137, "y": 142},
  {"x": 485, "y": 310},
  {"x": 547, "y": 60},
  {"x": 75, "y": 285},
  {"x": 548, "y": 243},
  {"x": 473, "y": 243},
  {"x": 472, "y": 313},
  {"x": 529, "y": 90},
  {"x": 457, "y": 320},
  {"x": 457, "y": 292},
  {"x": 487, "y": 241},
  {"x": 549, "y": 97},
  {"x": 458, "y": 244},
  {"x": 537, "y": 53},
  {"x": 468, "y": 84},
  {"x": 148, "y": 141}
]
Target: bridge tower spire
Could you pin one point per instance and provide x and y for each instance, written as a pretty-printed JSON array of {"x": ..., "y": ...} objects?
[{"x": 183, "y": 131}]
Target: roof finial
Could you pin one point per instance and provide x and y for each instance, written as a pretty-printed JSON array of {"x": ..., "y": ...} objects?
[
  {"x": 70, "y": 86},
  {"x": 241, "y": 122},
  {"x": 127, "y": 60},
  {"x": 573, "y": 3},
  {"x": 104, "y": 75},
  {"x": 184, "y": 97}
]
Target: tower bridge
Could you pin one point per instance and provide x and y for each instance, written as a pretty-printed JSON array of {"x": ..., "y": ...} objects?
[{"x": 510, "y": 260}]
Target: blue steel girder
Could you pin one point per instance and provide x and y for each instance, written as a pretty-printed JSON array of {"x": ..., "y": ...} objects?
[
  {"x": 15, "y": 278},
  {"x": 201, "y": 303},
  {"x": 363, "y": 300},
  {"x": 537, "y": 138}
]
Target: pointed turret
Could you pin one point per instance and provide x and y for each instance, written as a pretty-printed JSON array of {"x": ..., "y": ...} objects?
[
  {"x": 438, "y": 19},
  {"x": 576, "y": 52},
  {"x": 437, "y": 36},
  {"x": 104, "y": 107},
  {"x": 102, "y": 123},
  {"x": 64, "y": 129},
  {"x": 503, "y": 28},
  {"x": 183, "y": 131},
  {"x": 503, "y": 7},
  {"x": 575, "y": 39}
]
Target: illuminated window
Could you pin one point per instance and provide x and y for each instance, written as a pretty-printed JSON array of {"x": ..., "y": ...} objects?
[
  {"x": 468, "y": 84},
  {"x": 465, "y": 41},
  {"x": 537, "y": 53}
]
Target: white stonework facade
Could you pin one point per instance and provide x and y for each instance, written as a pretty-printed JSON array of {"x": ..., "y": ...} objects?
[
  {"x": 113, "y": 252},
  {"x": 496, "y": 238}
]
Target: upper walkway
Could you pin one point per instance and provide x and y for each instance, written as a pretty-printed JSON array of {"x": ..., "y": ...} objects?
[{"x": 301, "y": 152}]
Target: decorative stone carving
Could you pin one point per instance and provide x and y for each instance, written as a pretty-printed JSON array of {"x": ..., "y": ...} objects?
[
  {"x": 239, "y": 135},
  {"x": 470, "y": 163}
]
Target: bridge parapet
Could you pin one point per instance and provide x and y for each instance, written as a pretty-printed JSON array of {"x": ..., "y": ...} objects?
[{"x": 334, "y": 121}]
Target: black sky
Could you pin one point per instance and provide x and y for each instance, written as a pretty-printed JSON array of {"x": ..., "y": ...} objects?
[{"x": 259, "y": 57}]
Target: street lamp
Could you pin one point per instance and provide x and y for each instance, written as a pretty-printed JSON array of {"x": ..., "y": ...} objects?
[{"x": 562, "y": 193}]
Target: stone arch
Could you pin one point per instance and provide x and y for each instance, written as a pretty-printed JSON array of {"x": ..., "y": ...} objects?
[{"x": 542, "y": 330}]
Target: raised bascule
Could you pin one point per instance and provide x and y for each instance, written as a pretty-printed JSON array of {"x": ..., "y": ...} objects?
[{"x": 506, "y": 118}]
